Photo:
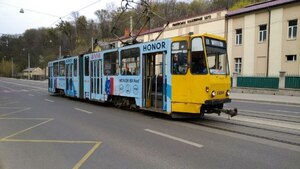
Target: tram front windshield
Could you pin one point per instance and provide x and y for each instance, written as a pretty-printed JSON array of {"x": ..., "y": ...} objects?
[{"x": 217, "y": 56}]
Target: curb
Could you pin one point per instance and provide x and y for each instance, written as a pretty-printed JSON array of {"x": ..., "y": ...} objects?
[{"x": 265, "y": 101}]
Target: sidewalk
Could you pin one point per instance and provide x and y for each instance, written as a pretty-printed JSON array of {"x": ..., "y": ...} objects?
[{"x": 295, "y": 100}]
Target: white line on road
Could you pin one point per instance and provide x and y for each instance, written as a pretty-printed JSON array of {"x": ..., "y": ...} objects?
[
  {"x": 285, "y": 111},
  {"x": 40, "y": 88},
  {"x": 175, "y": 138},
  {"x": 4, "y": 104},
  {"x": 85, "y": 111},
  {"x": 49, "y": 100},
  {"x": 30, "y": 95}
]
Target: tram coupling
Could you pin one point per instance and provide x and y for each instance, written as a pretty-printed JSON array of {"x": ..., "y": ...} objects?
[{"x": 230, "y": 112}]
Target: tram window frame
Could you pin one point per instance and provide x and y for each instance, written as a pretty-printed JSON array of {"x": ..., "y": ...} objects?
[
  {"x": 55, "y": 69},
  {"x": 111, "y": 63},
  {"x": 86, "y": 66},
  {"x": 216, "y": 51},
  {"x": 179, "y": 55},
  {"x": 62, "y": 66},
  {"x": 198, "y": 59},
  {"x": 130, "y": 61},
  {"x": 75, "y": 68}
]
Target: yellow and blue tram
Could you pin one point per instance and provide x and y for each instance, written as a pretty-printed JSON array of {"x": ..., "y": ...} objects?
[{"x": 184, "y": 75}]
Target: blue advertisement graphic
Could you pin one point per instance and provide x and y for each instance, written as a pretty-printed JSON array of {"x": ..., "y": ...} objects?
[{"x": 107, "y": 86}]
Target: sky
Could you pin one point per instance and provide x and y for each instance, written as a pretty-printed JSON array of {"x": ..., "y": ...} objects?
[{"x": 42, "y": 13}]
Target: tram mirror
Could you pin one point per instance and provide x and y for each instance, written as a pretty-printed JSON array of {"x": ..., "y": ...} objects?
[{"x": 197, "y": 44}]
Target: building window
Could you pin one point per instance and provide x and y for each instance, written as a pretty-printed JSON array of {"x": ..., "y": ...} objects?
[
  {"x": 291, "y": 58},
  {"x": 262, "y": 33},
  {"x": 238, "y": 65},
  {"x": 238, "y": 36},
  {"x": 292, "y": 34}
]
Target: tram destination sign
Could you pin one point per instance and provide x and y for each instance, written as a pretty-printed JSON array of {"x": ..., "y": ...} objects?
[{"x": 214, "y": 42}]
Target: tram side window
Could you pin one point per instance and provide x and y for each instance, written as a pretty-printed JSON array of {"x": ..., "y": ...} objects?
[
  {"x": 86, "y": 66},
  {"x": 130, "y": 64},
  {"x": 198, "y": 60},
  {"x": 55, "y": 69},
  {"x": 62, "y": 68},
  {"x": 179, "y": 57},
  {"x": 75, "y": 67},
  {"x": 111, "y": 63}
]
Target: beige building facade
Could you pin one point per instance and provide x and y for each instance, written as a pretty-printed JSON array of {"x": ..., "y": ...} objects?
[
  {"x": 263, "y": 39},
  {"x": 213, "y": 22}
]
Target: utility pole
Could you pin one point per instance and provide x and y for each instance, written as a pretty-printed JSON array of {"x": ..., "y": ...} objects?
[
  {"x": 28, "y": 65},
  {"x": 12, "y": 67},
  {"x": 59, "y": 50},
  {"x": 3, "y": 59}
]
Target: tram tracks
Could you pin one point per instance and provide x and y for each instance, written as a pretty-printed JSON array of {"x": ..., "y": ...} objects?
[
  {"x": 270, "y": 116},
  {"x": 276, "y": 129}
]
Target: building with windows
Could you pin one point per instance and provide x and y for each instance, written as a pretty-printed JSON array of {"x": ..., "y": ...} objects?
[
  {"x": 213, "y": 22},
  {"x": 263, "y": 38}
]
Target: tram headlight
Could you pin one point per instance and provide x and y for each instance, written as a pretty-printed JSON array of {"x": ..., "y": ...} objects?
[
  {"x": 227, "y": 93},
  {"x": 213, "y": 93}
]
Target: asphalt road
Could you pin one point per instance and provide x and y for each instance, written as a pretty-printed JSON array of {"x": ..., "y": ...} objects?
[{"x": 40, "y": 131}]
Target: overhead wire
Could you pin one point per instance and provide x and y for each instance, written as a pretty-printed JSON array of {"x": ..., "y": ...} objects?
[
  {"x": 60, "y": 18},
  {"x": 48, "y": 14},
  {"x": 30, "y": 10}
]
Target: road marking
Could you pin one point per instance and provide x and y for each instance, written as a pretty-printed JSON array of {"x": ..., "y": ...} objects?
[
  {"x": 9, "y": 103},
  {"x": 46, "y": 120},
  {"x": 12, "y": 118},
  {"x": 85, "y": 111},
  {"x": 285, "y": 111},
  {"x": 22, "y": 131},
  {"x": 51, "y": 141},
  {"x": 17, "y": 111},
  {"x": 25, "y": 85},
  {"x": 86, "y": 156},
  {"x": 4, "y": 98},
  {"x": 175, "y": 138},
  {"x": 30, "y": 95},
  {"x": 49, "y": 100}
]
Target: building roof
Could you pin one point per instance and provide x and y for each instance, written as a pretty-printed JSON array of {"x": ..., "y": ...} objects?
[
  {"x": 259, "y": 6},
  {"x": 31, "y": 69}
]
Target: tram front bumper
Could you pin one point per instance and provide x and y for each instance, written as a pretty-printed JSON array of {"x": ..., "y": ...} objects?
[{"x": 217, "y": 101}]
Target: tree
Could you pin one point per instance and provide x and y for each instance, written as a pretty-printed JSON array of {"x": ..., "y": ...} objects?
[{"x": 68, "y": 37}]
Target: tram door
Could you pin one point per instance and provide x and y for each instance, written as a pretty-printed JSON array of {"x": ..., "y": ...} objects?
[
  {"x": 154, "y": 84},
  {"x": 96, "y": 80},
  {"x": 69, "y": 79},
  {"x": 86, "y": 77},
  {"x": 50, "y": 79}
]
